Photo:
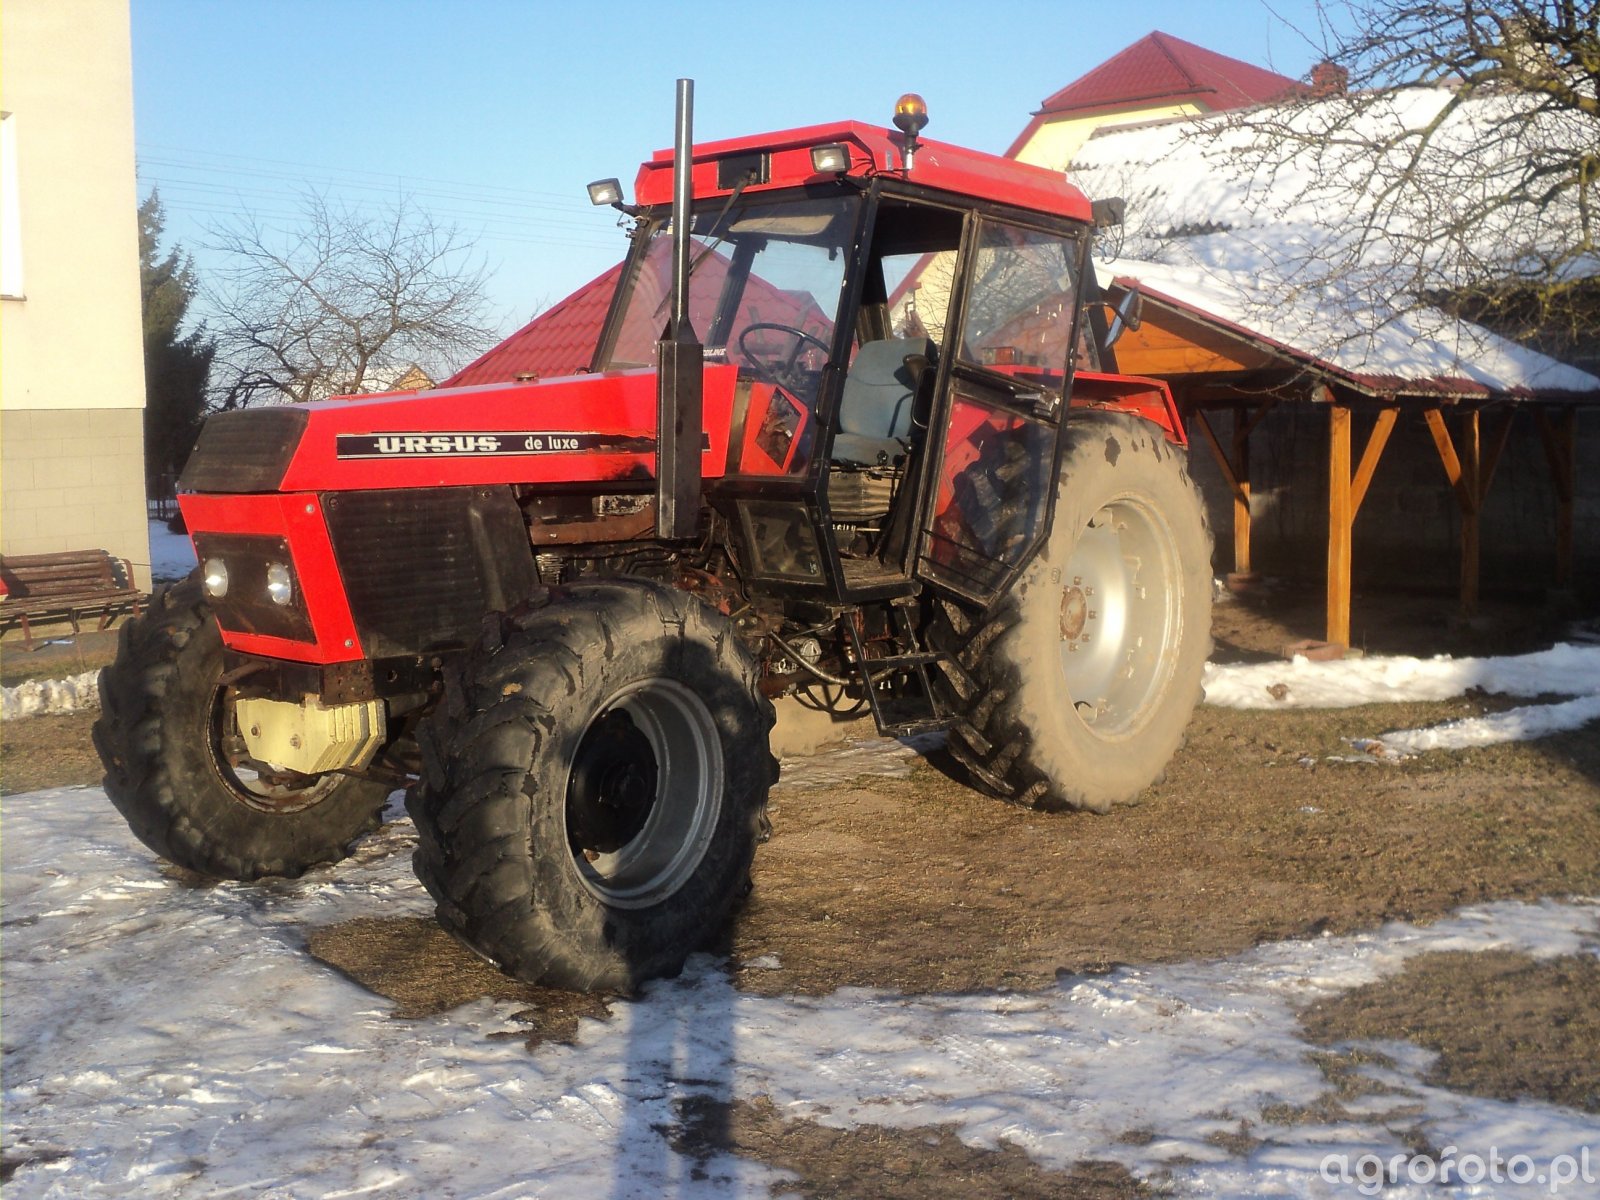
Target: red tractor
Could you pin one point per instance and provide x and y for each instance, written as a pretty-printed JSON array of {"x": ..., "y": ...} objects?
[{"x": 852, "y": 428}]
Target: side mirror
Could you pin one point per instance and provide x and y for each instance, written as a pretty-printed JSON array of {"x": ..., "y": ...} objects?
[
  {"x": 1129, "y": 315},
  {"x": 1110, "y": 211}
]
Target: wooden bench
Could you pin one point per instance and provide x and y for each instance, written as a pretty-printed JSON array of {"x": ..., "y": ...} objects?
[{"x": 68, "y": 586}]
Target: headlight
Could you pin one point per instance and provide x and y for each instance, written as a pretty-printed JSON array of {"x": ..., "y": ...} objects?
[
  {"x": 280, "y": 584},
  {"x": 216, "y": 578},
  {"x": 250, "y": 582}
]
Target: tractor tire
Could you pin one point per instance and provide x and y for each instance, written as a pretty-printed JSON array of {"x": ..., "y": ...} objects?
[
  {"x": 176, "y": 768},
  {"x": 595, "y": 783},
  {"x": 1083, "y": 678}
]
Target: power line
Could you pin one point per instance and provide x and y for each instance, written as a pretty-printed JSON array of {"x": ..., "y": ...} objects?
[
  {"x": 352, "y": 171},
  {"x": 278, "y": 204},
  {"x": 186, "y": 169}
]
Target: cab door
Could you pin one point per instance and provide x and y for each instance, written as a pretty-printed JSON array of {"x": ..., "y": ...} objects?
[{"x": 990, "y": 490}]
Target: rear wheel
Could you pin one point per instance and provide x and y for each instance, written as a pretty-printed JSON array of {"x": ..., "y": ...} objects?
[
  {"x": 177, "y": 768},
  {"x": 1089, "y": 670},
  {"x": 595, "y": 786}
]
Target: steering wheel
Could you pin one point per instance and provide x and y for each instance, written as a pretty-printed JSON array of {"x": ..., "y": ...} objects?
[{"x": 781, "y": 369}]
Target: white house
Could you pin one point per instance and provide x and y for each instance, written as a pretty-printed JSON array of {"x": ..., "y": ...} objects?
[{"x": 71, "y": 341}]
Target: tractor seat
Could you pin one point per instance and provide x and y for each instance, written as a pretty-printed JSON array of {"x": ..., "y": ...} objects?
[{"x": 876, "y": 409}]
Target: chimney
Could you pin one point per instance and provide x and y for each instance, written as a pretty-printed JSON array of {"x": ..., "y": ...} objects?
[{"x": 1328, "y": 79}]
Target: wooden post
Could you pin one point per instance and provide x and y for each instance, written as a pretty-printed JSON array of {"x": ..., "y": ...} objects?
[
  {"x": 1241, "y": 495},
  {"x": 1471, "y": 526},
  {"x": 1346, "y": 491},
  {"x": 1341, "y": 519},
  {"x": 1368, "y": 466},
  {"x": 1561, "y": 452},
  {"x": 1470, "y": 471},
  {"x": 1236, "y": 472}
]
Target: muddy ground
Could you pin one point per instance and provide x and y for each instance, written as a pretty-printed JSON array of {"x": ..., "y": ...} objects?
[{"x": 923, "y": 885}]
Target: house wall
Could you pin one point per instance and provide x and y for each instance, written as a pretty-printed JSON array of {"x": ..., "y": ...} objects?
[
  {"x": 72, "y": 383},
  {"x": 1407, "y": 534},
  {"x": 1055, "y": 143}
]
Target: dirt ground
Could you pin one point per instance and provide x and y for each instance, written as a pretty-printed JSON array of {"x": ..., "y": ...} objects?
[
  {"x": 923, "y": 885},
  {"x": 1471, "y": 1009}
]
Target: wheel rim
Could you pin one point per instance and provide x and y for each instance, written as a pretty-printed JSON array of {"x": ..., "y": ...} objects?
[
  {"x": 644, "y": 793},
  {"x": 254, "y": 784},
  {"x": 1121, "y": 616}
]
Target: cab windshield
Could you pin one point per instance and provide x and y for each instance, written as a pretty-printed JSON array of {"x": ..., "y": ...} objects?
[{"x": 764, "y": 288}]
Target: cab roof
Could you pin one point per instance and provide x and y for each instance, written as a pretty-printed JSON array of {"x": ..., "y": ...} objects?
[{"x": 783, "y": 160}]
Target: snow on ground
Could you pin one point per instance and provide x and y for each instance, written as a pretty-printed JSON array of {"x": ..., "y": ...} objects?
[
  {"x": 171, "y": 554},
  {"x": 1563, "y": 670},
  {"x": 177, "y": 1041},
  {"x": 36, "y": 696}
]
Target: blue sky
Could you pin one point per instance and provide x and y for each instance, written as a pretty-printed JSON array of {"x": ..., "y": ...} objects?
[{"x": 493, "y": 114}]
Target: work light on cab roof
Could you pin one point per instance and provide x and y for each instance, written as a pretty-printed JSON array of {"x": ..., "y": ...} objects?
[{"x": 910, "y": 118}]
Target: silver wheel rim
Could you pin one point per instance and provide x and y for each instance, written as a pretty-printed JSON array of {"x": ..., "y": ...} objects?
[
  {"x": 1121, "y": 616},
  {"x": 255, "y": 784},
  {"x": 673, "y": 836}
]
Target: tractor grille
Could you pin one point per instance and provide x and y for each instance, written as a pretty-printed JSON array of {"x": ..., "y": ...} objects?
[
  {"x": 421, "y": 566},
  {"x": 246, "y": 451}
]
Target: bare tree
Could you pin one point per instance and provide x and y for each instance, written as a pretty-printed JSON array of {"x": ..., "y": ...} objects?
[
  {"x": 1453, "y": 152},
  {"x": 340, "y": 302}
]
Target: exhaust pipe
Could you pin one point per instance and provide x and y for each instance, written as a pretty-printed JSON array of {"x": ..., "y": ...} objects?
[{"x": 680, "y": 359}]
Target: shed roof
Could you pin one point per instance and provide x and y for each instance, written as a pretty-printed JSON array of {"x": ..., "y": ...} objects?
[
  {"x": 1423, "y": 352},
  {"x": 1312, "y": 251}
]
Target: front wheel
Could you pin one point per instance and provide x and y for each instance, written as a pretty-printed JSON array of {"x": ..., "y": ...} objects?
[
  {"x": 1089, "y": 670},
  {"x": 177, "y": 768},
  {"x": 595, "y": 786}
]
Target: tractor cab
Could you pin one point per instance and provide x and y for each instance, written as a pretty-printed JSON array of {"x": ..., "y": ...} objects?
[{"x": 904, "y": 320}]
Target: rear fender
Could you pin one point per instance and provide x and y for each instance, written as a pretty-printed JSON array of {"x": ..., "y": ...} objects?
[{"x": 1133, "y": 394}]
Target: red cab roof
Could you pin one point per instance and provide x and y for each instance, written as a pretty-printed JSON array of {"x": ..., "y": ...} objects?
[{"x": 873, "y": 151}]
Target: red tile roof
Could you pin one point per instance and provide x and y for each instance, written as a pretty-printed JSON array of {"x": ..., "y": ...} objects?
[
  {"x": 562, "y": 339},
  {"x": 559, "y": 341},
  {"x": 1156, "y": 69},
  {"x": 1160, "y": 67}
]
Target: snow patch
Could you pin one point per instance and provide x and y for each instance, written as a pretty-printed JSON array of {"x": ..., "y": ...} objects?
[
  {"x": 180, "y": 1036},
  {"x": 861, "y": 758},
  {"x": 36, "y": 696},
  {"x": 171, "y": 554},
  {"x": 1565, "y": 670}
]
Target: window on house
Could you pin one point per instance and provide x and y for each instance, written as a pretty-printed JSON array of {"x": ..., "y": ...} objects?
[{"x": 10, "y": 212}]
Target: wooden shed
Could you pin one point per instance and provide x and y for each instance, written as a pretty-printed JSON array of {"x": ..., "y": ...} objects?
[{"x": 1233, "y": 355}]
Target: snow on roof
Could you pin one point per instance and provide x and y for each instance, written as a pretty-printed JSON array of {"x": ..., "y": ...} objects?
[
  {"x": 1161, "y": 67},
  {"x": 1418, "y": 351},
  {"x": 1316, "y": 226},
  {"x": 1318, "y": 169}
]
